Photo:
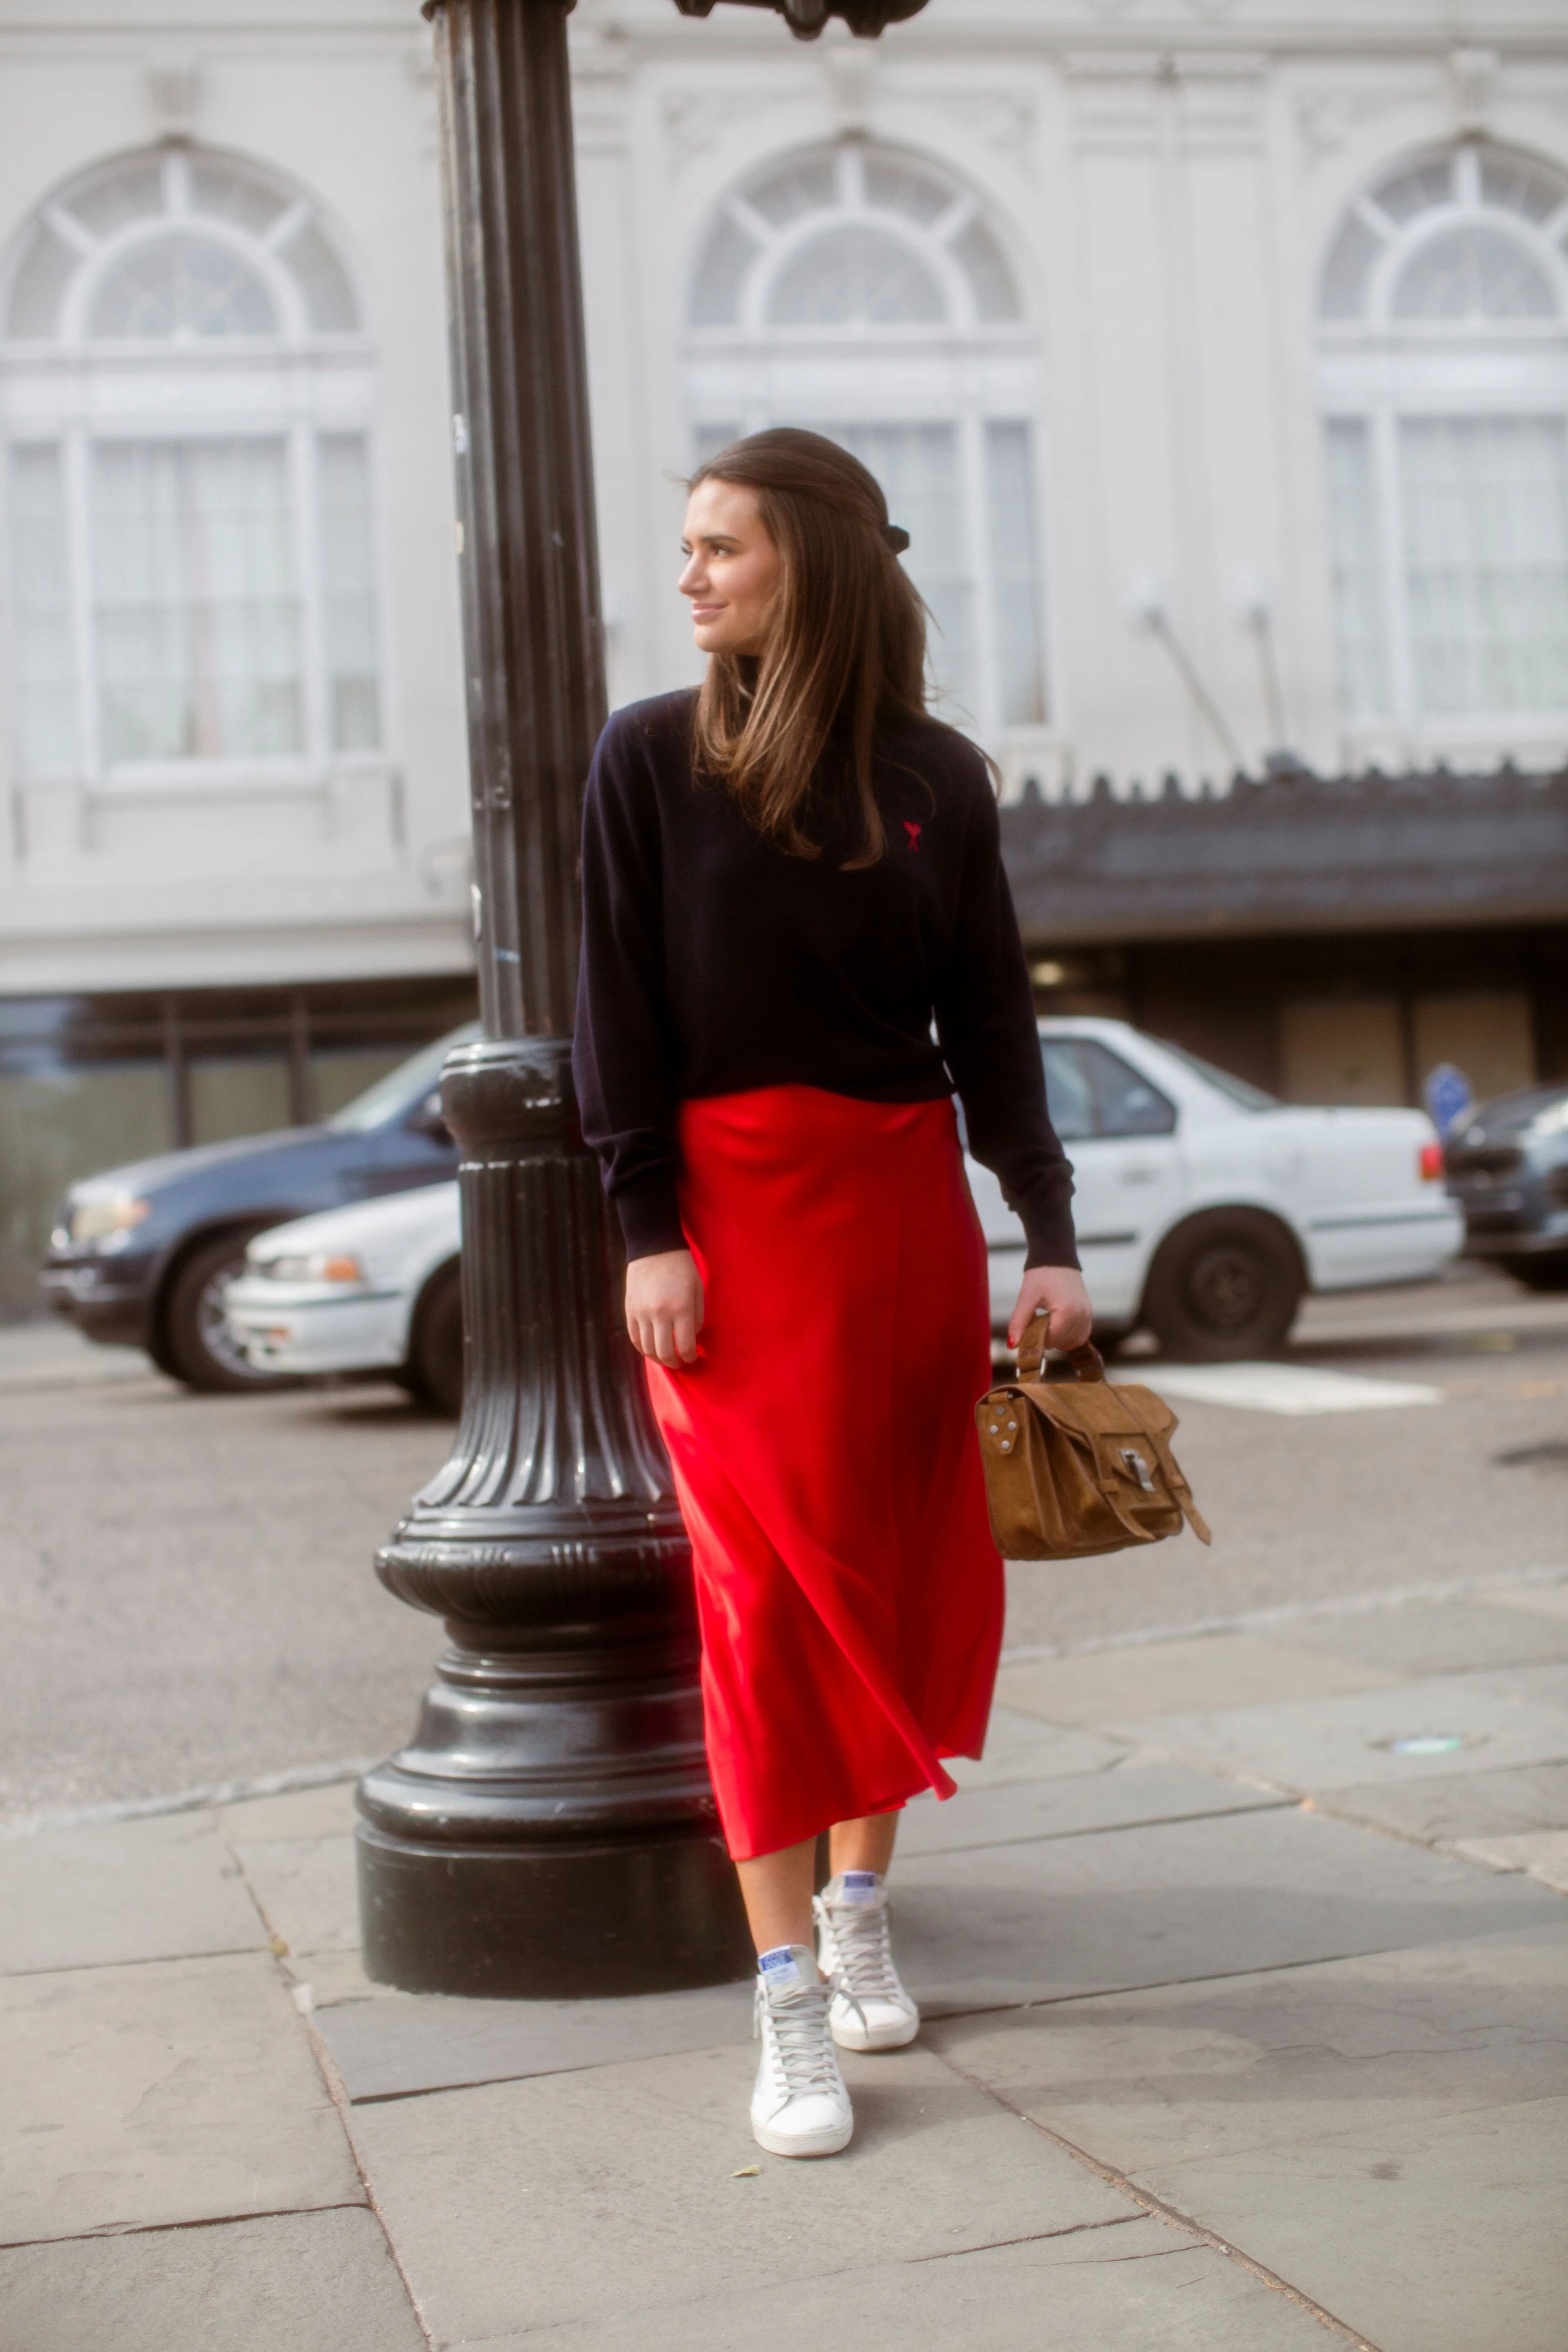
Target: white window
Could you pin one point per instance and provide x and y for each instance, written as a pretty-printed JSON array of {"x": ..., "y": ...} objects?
[
  {"x": 185, "y": 395},
  {"x": 1444, "y": 355},
  {"x": 865, "y": 296}
]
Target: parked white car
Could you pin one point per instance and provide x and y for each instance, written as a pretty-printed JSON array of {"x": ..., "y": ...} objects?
[
  {"x": 371, "y": 1287},
  {"x": 1205, "y": 1208}
]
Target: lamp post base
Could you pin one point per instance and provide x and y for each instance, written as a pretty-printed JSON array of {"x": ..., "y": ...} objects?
[
  {"x": 549, "y": 1832},
  {"x": 584, "y": 1921}
]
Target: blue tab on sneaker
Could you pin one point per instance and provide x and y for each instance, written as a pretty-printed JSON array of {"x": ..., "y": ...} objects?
[
  {"x": 779, "y": 1968},
  {"x": 858, "y": 1887}
]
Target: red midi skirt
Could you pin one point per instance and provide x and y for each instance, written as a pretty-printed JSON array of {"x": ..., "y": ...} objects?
[{"x": 849, "y": 1594}]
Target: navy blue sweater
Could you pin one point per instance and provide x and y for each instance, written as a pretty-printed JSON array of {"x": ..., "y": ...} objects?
[{"x": 714, "y": 963}]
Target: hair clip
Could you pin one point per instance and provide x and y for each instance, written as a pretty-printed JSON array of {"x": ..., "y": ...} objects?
[{"x": 897, "y": 537}]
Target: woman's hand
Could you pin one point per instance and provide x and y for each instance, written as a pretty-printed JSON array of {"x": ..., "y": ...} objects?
[
  {"x": 1060, "y": 1290},
  {"x": 665, "y": 1307}
]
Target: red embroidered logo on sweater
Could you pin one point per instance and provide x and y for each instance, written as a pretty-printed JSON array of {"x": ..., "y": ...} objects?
[{"x": 914, "y": 832}]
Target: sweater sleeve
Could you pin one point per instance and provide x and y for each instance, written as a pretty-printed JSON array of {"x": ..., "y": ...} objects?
[
  {"x": 986, "y": 1026},
  {"x": 621, "y": 1058}
]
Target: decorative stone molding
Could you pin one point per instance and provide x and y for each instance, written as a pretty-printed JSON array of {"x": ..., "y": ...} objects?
[
  {"x": 174, "y": 95},
  {"x": 1001, "y": 121},
  {"x": 1221, "y": 96},
  {"x": 847, "y": 72},
  {"x": 695, "y": 120},
  {"x": 1326, "y": 118},
  {"x": 1474, "y": 76}
]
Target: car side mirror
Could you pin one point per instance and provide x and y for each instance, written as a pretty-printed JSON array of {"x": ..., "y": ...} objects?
[{"x": 428, "y": 1119}]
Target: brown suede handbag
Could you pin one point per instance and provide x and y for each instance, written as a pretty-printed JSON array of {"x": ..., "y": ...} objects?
[{"x": 1075, "y": 1467}]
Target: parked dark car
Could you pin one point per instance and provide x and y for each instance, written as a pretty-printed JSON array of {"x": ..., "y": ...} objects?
[
  {"x": 143, "y": 1256},
  {"x": 1508, "y": 1169}
]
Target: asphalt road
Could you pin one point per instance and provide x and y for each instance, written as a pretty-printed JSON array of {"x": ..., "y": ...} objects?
[{"x": 186, "y": 1596}]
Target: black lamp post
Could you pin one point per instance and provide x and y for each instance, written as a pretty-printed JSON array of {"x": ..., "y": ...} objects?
[{"x": 549, "y": 1829}]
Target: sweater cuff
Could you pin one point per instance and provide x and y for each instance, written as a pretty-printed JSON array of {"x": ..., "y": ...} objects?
[
  {"x": 650, "y": 1221},
  {"x": 1048, "y": 1233}
]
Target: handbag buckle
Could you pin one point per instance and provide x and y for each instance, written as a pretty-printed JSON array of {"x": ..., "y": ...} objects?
[{"x": 1138, "y": 1466}]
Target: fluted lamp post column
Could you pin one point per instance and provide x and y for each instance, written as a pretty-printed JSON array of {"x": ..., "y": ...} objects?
[{"x": 549, "y": 1829}]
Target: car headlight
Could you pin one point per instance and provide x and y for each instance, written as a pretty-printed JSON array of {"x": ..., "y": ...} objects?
[
  {"x": 317, "y": 1265},
  {"x": 95, "y": 1221}
]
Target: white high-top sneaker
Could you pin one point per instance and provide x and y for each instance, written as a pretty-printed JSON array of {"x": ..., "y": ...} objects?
[
  {"x": 870, "y": 2008},
  {"x": 800, "y": 2106}
]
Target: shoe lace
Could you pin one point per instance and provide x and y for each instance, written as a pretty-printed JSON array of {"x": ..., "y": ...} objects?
[
  {"x": 802, "y": 2039},
  {"x": 863, "y": 1949}
]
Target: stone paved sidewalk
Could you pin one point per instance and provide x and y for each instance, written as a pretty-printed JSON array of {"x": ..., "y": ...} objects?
[{"x": 1246, "y": 2031}]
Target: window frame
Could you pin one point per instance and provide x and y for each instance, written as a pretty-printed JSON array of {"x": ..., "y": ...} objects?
[
  {"x": 1379, "y": 371},
  {"x": 298, "y": 386},
  {"x": 964, "y": 372}
]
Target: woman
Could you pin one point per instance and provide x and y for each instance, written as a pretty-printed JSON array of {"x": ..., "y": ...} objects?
[{"x": 798, "y": 943}]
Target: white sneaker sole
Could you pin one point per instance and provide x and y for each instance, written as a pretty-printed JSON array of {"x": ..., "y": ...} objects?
[
  {"x": 826, "y": 2142},
  {"x": 853, "y": 2035}
]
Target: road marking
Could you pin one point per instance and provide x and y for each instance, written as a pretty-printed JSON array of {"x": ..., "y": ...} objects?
[{"x": 1283, "y": 1388}]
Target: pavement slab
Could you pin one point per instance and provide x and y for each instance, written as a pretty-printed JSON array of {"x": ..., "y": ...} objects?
[
  {"x": 1136, "y": 2285},
  {"x": 1543, "y": 1855},
  {"x": 1445, "y": 1808},
  {"x": 1130, "y": 1795},
  {"x": 154, "y": 1890},
  {"x": 1535, "y": 1600},
  {"x": 421, "y": 2041},
  {"x": 1312, "y": 1744},
  {"x": 1439, "y": 2234},
  {"x": 168, "y": 2091},
  {"x": 321, "y": 2282},
  {"x": 1541, "y": 1685},
  {"x": 1021, "y": 1748},
  {"x": 1426, "y": 1638},
  {"x": 1186, "y": 1900},
  {"x": 306, "y": 1890},
  {"x": 332, "y": 1976},
  {"x": 576, "y": 2197},
  {"x": 324, "y": 1811},
  {"x": 1266, "y": 2061},
  {"x": 1103, "y": 1688}
]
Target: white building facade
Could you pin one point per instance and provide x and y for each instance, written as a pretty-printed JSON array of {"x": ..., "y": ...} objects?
[{"x": 1213, "y": 352}]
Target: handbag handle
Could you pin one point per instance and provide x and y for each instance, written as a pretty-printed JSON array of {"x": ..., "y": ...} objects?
[{"x": 1087, "y": 1361}]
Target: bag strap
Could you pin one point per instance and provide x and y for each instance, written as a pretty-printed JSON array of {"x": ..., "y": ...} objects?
[{"x": 1087, "y": 1361}]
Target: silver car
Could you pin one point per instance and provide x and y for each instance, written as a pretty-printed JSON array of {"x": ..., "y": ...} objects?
[{"x": 1508, "y": 1170}]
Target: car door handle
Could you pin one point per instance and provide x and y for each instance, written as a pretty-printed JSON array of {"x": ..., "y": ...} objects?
[{"x": 1141, "y": 1175}]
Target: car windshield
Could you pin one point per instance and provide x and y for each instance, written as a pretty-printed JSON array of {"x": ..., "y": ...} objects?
[
  {"x": 1510, "y": 1114},
  {"x": 402, "y": 1087},
  {"x": 1239, "y": 1090}
]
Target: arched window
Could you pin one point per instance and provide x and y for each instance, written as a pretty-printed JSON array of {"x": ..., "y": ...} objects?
[
  {"x": 1443, "y": 354},
  {"x": 184, "y": 395},
  {"x": 863, "y": 294}
]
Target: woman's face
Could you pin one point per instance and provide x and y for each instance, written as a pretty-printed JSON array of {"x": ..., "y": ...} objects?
[{"x": 732, "y": 568}]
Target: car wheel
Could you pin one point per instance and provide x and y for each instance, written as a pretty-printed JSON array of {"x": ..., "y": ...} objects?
[
  {"x": 435, "y": 1367},
  {"x": 1541, "y": 1273},
  {"x": 1223, "y": 1287},
  {"x": 196, "y": 1339}
]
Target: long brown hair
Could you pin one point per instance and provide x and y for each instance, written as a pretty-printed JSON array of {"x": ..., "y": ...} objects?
[{"x": 847, "y": 641}]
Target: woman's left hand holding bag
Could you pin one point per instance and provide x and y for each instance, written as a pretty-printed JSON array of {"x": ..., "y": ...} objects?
[{"x": 1062, "y": 1292}]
